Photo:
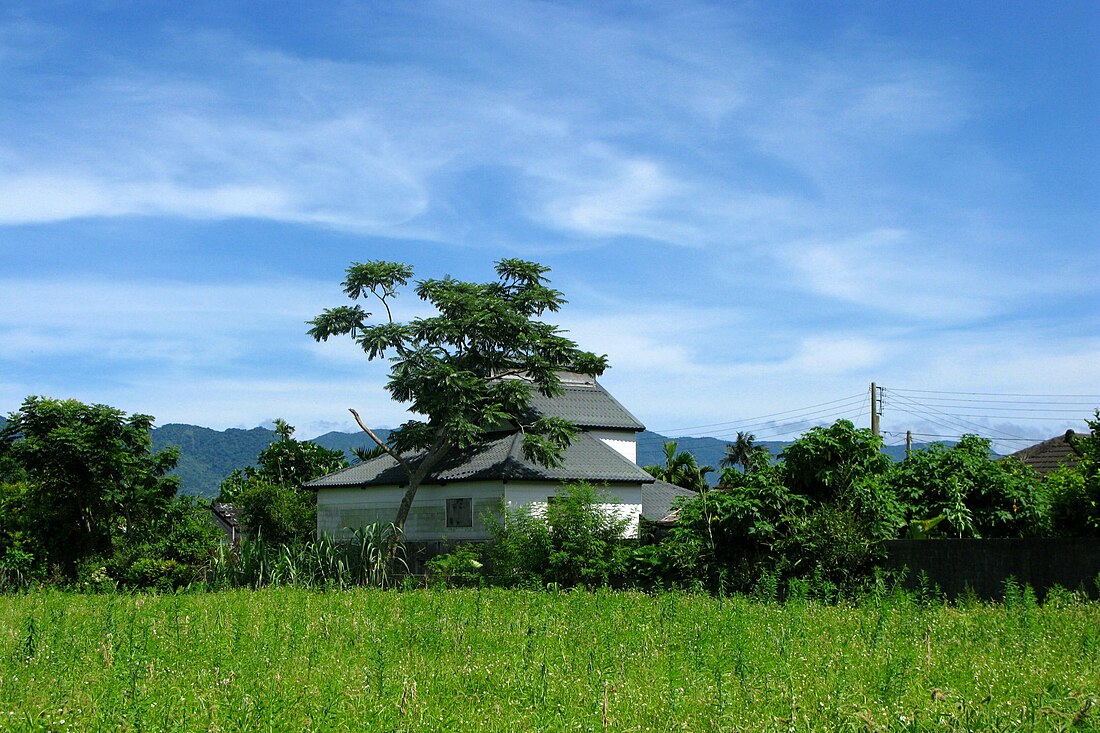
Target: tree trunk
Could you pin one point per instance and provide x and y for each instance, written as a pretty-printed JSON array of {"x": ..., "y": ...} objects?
[{"x": 433, "y": 457}]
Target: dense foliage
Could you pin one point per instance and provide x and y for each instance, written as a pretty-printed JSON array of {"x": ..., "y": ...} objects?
[
  {"x": 461, "y": 368},
  {"x": 571, "y": 541},
  {"x": 824, "y": 509},
  {"x": 269, "y": 497},
  {"x": 85, "y": 502},
  {"x": 83, "y": 495},
  {"x": 1074, "y": 491},
  {"x": 961, "y": 492}
]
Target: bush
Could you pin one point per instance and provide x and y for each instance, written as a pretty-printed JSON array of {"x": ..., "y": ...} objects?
[
  {"x": 277, "y": 513},
  {"x": 833, "y": 545},
  {"x": 459, "y": 568},
  {"x": 976, "y": 495},
  {"x": 1069, "y": 505},
  {"x": 727, "y": 538},
  {"x": 572, "y": 542}
]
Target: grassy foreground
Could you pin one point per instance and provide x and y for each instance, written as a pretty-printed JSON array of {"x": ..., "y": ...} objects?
[{"x": 499, "y": 660}]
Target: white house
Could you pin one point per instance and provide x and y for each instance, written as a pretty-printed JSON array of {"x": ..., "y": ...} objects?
[{"x": 454, "y": 500}]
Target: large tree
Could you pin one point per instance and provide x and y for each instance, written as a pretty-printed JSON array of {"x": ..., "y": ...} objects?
[
  {"x": 467, "y": 369},
  {"x": 82, "y": 477}
]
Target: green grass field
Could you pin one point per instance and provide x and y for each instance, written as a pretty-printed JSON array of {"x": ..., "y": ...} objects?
[{"x": 499, "y": 660}]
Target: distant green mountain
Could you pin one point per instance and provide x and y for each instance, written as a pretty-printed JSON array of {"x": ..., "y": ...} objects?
[
  {"x": 348, "y": 442},
  {"x": 208, "y": 456}
]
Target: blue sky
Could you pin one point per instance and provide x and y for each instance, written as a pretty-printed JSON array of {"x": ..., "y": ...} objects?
[{"x": 753, "y": 208}]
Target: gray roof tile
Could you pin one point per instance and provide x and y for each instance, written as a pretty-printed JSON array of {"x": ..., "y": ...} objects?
[
  {"x": 586, "y": 459},
  {"x": 1047, "y": 456},
  {"x": 658, "y": 498},
  {"x": 586, "y": 404}
]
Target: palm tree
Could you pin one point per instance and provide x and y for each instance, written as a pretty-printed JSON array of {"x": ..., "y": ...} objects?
[
  {"x": 745, "y": 453},
  {"x": 681, "y": 469}
]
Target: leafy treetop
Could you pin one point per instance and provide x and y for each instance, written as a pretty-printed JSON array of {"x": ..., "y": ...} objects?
[
  {"x": 468, "y": 368},
  {"x": 88, "y": 476}
]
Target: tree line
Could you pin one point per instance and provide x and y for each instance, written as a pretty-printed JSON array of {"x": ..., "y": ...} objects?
[{"x": 85, "y": 500}]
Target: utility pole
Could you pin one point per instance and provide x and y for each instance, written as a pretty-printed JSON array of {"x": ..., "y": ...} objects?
[
  {"x": 908, "y": 442},
  {"x": 875, "y": 409}
]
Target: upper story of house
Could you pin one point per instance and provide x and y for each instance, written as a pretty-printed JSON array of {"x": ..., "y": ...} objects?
[{"x": 586, "y": 404}]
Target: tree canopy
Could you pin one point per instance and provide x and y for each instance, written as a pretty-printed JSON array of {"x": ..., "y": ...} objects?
[
  {"x": 466, "y": 369},
  {"x": 78, "y": 481}
]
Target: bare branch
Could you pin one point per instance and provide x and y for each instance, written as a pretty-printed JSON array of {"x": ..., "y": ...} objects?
[{"x": 381, "y": 444}]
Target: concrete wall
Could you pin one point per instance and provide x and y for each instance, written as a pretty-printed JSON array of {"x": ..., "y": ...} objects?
[
  {"x": 340, "y": 511},
  {"x": 623, "y": 442},
  {"x": 984, "y": 565}
]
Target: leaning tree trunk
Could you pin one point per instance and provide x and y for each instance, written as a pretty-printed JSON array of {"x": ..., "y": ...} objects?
[{"x": 416, "y": 477}]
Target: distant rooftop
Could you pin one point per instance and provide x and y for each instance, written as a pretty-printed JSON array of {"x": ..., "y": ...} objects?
[{"x": 1047, "y": 456}]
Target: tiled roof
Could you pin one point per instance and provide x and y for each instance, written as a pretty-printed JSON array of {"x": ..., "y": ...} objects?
[
  {"x": 658, "y": 498},
  {"x": 586, "y": 404},
  {"x": 1049, "y": 455},
  {"x": 586, "y": 459}
]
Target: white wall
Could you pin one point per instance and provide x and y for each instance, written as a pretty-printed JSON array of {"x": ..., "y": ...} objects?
[
  {"x": 623, "y": 442},
  {"x": 341, "y": 511}
]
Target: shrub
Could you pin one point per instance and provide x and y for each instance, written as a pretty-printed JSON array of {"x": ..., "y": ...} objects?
[
  {"x": 727, "y": 538},
  {"x": 459, "y": 568},
  {"x": 574, "y": 541},
  {"x": 976, "y": 495}
]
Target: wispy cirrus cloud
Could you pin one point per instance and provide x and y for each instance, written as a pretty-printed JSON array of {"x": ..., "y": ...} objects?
[
  {"x": 366, "y": 145},
  {"x": 743, "y": 202}
]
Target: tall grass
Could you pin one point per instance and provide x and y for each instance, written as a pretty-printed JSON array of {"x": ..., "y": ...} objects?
[
  {"x": 288, "y": 658},
  {"x": 323, "y": 563}
]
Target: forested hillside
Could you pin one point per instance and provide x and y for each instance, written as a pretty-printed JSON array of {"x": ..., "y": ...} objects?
[{"x": 208, "y": 456}]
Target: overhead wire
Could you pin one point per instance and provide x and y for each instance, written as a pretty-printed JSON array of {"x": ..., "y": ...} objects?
[
  {"x": 998, "y": 394},
  {"x": 749, "y": 420},
  {"x": 797, "y": 420},
  {"x": 947, "y": 420},
  {"x": 944, "y": 409}
]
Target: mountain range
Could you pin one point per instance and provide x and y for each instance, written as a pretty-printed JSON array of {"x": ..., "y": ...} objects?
[{"x": 208, "y": 456}]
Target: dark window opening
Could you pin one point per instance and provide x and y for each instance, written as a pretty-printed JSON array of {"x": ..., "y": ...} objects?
[{"x": 460, "y": 512}]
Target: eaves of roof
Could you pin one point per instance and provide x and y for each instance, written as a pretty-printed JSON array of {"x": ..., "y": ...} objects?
[
  {"x": 659, "y": 497},
  {"x": 501, "y": 458}
]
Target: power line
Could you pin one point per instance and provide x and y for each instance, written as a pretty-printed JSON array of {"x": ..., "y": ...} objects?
[
  {"x": 999, "y": 402},
  {"x": 938, "y": 407},
  {"x": 948, "y": 417},
  {"x": 750, "y": 420},
  {"x": 956, "y": 436},
  {"x": 1000, "y": 394}
]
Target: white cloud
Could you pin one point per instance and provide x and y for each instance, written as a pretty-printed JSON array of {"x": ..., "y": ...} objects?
[{"x": 892, "y": 270}]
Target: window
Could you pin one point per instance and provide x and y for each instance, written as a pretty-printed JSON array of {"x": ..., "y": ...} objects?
[{"x": 460, "y": 512}]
